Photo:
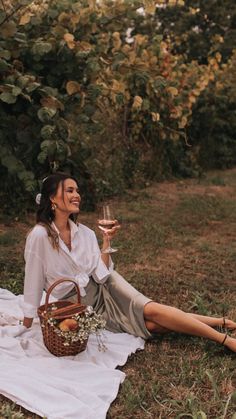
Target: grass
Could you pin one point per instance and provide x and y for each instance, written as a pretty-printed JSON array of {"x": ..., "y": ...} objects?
[{"x": 178, "y": 246}]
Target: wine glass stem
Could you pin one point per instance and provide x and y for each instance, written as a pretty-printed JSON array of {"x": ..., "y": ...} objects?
[{"x": 108, "y": 243}]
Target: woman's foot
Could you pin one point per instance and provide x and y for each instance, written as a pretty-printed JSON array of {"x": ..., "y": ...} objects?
[{"x": 229, "y": 324}]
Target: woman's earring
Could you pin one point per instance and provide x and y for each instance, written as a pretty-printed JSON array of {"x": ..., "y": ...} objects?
[{"x": 54, "y": 206}]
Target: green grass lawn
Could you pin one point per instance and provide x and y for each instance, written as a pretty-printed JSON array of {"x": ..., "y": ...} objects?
[{"x": 178, "y": 246}]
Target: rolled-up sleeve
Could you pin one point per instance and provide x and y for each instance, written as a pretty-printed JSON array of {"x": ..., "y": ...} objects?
[
  {"x": 34, "y": 276},
  {"x": 101, "y": 272}
]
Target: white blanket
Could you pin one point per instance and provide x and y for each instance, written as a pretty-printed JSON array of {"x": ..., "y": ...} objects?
[{"x": 75, "y": 387}]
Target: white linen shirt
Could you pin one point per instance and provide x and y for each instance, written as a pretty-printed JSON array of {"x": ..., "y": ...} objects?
[{"x": 44, "y": 264}]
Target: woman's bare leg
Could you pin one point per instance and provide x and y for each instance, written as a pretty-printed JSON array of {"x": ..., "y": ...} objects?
[
  {"x": 215, "y": 321},
  {"x": 176, "y": 320},
  {"x": 156, "y": 328},
  {"x": 210, "y": 321}
]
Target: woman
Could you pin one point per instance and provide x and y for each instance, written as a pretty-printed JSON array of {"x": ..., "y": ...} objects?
[{"x": 58, "y": 248}]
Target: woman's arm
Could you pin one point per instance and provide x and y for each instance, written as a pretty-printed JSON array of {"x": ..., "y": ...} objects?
[{"x": 105, "y": 256}]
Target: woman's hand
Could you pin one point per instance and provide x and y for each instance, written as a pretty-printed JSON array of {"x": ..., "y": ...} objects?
[
  {"x": 27, "y": 322},
  {"x": 109, "y": 234}
]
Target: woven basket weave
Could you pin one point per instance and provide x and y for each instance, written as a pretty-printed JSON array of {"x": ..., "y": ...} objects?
[{"x": 60, "y": 310}]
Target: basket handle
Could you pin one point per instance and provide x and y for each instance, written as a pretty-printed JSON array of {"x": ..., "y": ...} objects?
[{"x": 59, "y": 281}]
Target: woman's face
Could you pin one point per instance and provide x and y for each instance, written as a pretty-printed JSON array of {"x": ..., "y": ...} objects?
[{"x": 68, "y": 200}]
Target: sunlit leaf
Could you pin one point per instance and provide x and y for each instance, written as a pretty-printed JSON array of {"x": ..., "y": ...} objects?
[
  {"x": 16, "y": 91},
  {"x": 218, "y": 57},
  {"x": 140, "y": 39},
  {"x": 116, "y": 40},
  {"x": 51, "y": 102},
  {"x": 72, "y": 87},
  {"x": 32, "y": 86},
  {"x": 155, "y": 116},
  {"x": 7, "y": 97},
  {"x": 176, "y": 112},
  {"x": 137, "y": 103},
  {"x": 150, "y": 6},
  {"x": 201, "y": 415},
  {"x": 84, "y": 46},
  {"x": 69, "y": 38},
  {"x": 46, "y": 114},
  {"x": 192, "y": 98},
  {"x": 183, "y": 122},
  {"x": 25, "y": 18},
  {"x": 118, "y": 86},
  {"x": 22, "y": 81},
  {"x": 172, "y": 90}
]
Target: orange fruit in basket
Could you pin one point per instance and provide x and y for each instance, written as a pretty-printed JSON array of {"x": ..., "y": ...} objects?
[{"x": 68, "y": 325}]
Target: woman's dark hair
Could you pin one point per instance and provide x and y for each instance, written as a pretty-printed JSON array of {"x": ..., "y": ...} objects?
[{"x": 45, "y": 215}]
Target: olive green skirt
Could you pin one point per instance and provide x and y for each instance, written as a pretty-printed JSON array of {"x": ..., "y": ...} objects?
[{"x": 120, "y": 304}]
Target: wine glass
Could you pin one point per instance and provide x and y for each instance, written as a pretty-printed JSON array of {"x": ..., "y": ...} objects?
[{"x": 106, "y": 220}]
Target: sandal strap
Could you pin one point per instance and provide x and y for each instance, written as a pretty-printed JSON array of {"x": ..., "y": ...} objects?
[{"x": 225, "y": 337}]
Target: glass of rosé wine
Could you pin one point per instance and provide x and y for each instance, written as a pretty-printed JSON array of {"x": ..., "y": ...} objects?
[{"x": 106, "y": 220}]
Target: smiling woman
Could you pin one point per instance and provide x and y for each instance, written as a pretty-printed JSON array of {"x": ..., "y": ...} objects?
[{"x": 59, "y": 247}]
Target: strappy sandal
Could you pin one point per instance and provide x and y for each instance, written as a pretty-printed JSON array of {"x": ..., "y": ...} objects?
[
  {"x": 222, "y": 328},
  {"x": 225, "y": 337}
]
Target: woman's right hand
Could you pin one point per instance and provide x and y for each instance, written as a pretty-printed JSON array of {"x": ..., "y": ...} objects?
[{"x": 27, "y": 322}]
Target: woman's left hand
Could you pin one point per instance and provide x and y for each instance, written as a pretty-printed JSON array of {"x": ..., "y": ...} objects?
[
  {"x": 108, "y": 235},
  {"x": 111, "y": 233}
]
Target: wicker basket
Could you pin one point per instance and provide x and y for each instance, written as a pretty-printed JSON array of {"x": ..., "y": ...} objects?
[{"x": 60, "y": 310}]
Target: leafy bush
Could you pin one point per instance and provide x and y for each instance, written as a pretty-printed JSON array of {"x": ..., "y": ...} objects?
[
  {"x": 199, "y": 29},
  {"x": 92, "y": 88},
  {"x": 213, "y": 130}
]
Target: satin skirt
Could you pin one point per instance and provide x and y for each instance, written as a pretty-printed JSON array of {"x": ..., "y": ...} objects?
[{"x": 120, "y": 304}]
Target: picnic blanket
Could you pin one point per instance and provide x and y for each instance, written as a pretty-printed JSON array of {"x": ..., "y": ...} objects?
[{"x": 73, "y": 387}]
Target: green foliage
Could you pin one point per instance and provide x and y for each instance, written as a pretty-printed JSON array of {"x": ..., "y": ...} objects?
[
  {"x": 7, "y": 412},
  {"x": 94, "y": 88},
  {"x": 214, "y": 121},
  {"x": 199, "y": 28}
]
